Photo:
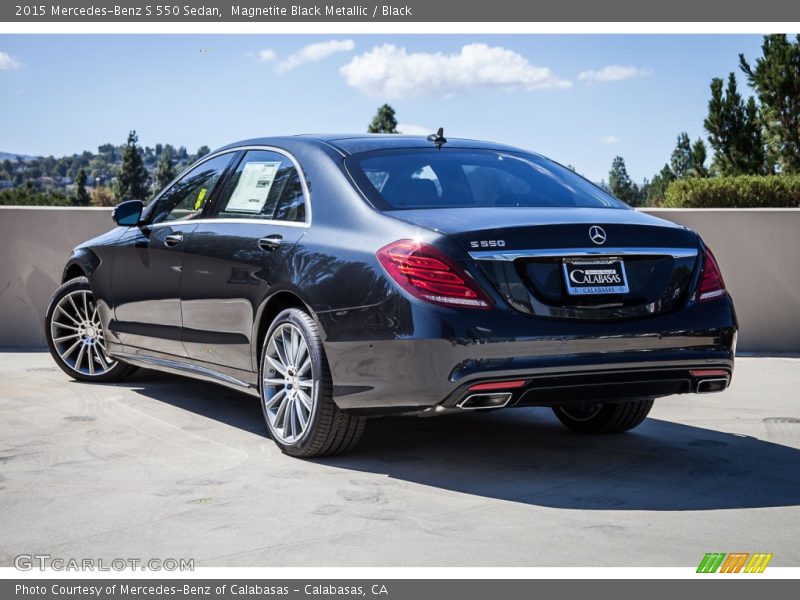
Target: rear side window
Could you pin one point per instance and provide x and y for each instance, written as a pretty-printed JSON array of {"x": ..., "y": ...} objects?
[
  {"x": 265, "y": 185},
  {"x": 457, "y": 178}
]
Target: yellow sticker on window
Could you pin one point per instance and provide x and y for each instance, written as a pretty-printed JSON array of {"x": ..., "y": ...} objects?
[{"x": 200, "y": 197}]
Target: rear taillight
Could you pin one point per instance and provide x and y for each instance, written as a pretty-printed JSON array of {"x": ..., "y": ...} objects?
[
  {"x": 711, "y": 284},
  {"x": 429, "y": 274}
]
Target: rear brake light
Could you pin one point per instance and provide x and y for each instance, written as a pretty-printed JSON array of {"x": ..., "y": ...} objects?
[
  {"x": 429, "y": 274},
  {"x": 711, "y": 284}
]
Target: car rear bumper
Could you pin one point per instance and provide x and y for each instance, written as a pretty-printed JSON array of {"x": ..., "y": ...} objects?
[
  {"x": 560, "y": 361},
  {"x": 653, "y": 378}
]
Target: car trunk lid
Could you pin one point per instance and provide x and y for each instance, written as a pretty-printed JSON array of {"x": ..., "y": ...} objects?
[{"x": 586, "y": 263}]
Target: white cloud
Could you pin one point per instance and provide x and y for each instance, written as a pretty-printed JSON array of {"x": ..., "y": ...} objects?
[
  {"x": 391, "y": 72},
  {"x": 313, "y": 53},
  {"x": 266, "y": 55},
  {"x": 613, "y": 73},
  {"x": 8, "y": 62},
  {"x": 610, "y": 139},
  {"x": 412, "y": 129}
]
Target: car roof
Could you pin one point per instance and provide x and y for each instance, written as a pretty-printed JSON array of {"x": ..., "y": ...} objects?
[{"x": 355, "y": 143}]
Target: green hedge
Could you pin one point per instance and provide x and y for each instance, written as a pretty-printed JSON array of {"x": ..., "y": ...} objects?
[
  {"x": 22, "y": 196},
  {"x": 744, "y": 191}
]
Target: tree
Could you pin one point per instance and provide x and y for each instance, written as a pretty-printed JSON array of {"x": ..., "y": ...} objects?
[
  {"x": 384, "y": 121},
  {"x": 734, "y": 131},
  {"x": 49, "y": 165},
  {"x": 202, "y": 151},
  {"x": 699, "y": 155},
  {"x": 642, "y": 192},
  {"x": 776, "y": 79},
  {"x": 681, "y": 159},
  {"x": 102, "y": 196},
  {"x": 687, "y": 159},
  {"x": 132, "y": 175},
  {"x": 657, "y": 190},
  {"x": 149, "y": 156},
  {"x": 621, "y": 184},
  {"x": 165, "y": 171},
  {"x": 108, "y": 152},
  {"x": 81, "y": 195}
]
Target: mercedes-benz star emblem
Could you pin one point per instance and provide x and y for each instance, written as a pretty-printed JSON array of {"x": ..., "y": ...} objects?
[{"x": 597, "y": 235}]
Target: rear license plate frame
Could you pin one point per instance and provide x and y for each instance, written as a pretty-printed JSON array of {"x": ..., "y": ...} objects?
[{"x": 607, "y": 274}]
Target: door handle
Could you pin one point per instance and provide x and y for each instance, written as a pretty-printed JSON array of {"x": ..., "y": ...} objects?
[
  {"x": 173, "y": 239},
  {"x": 270, "y": 242}
]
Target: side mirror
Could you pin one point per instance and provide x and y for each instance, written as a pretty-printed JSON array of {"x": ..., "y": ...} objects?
[{"x": 128, "y": 213}]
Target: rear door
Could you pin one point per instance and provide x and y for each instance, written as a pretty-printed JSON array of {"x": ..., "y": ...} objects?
[
  {"x": 238, "y": 256},
  {"x": 149, "y": 262}
]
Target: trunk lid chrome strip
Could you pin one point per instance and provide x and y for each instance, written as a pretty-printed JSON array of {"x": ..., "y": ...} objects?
[{"x": 511, "y": 255}]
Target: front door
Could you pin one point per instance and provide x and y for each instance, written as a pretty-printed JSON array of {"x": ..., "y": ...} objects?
[{"x": 149, "y": 263}]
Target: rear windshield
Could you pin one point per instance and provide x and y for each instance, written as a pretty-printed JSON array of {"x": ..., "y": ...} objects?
[{"x": 459, "y": 178}]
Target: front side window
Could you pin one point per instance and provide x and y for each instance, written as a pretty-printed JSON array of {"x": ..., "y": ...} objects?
[
  {"x": 185, "y": 199},
  {"x": 461, "y": 178},
  {"x": 265, "y": 185}
]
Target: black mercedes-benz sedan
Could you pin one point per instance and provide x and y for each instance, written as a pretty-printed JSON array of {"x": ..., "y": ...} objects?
[{"x": 341, "y": 277}]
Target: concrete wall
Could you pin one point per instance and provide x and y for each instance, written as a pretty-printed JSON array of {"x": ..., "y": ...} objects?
[
  {"x": 34, "y": 244},
  {"x": 758, "y": 251}
]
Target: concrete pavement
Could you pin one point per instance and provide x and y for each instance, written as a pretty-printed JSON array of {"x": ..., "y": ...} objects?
[{"x": 162, "y": 466}]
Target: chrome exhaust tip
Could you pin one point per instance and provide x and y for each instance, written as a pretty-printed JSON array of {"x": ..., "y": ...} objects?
[
  {"x": 485, "y": 401},
  {"x": 708, "y": 386}
]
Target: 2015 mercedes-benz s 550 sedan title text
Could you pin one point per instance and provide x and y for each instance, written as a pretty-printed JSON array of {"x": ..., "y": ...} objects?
[{"x": 341, "y": 277}]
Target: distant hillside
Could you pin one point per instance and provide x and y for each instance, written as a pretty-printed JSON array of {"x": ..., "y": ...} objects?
[
  {"x": 12, "y": 156},
  {"x": 50, "y": 180}
]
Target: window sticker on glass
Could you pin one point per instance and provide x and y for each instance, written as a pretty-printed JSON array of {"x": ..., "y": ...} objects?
[
  {"x": 200, "y": 197},
  {"x": 253, "y": 187}
]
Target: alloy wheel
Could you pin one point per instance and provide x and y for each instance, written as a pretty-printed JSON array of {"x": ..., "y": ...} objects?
[
  {"x": 78, "y": 334},
  {"x": 289, "y": 389}
]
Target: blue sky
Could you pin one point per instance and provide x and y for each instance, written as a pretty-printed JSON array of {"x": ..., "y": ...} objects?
[{"x": 580, "y": 99}]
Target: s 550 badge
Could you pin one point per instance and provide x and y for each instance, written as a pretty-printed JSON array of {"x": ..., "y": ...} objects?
[{"x": 488, "y": 244}]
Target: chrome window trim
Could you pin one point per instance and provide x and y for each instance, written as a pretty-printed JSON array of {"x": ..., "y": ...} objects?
[
  {"x": 511, "y": 255},
  {"x": 272, "y": 222}
]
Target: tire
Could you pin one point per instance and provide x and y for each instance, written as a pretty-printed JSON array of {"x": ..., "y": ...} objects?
[
  {"x": 75, "y": 336},
  {"x": 604, "y": 418},
  {"x": 297, "y": 391}
]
